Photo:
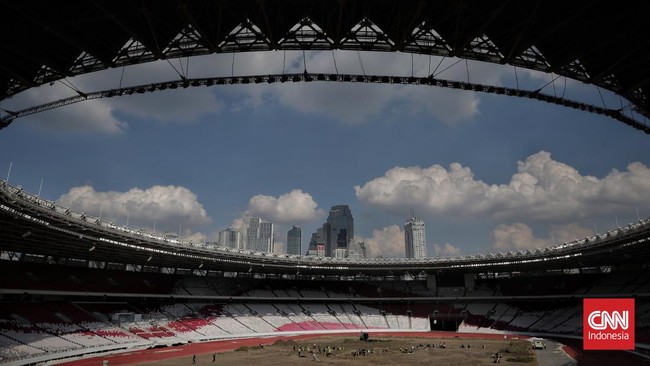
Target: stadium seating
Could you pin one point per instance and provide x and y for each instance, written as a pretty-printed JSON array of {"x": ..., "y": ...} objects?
[{"x": 45, "y": 326}]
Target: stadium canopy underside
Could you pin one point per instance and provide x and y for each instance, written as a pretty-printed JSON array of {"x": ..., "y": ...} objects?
[
  {"x": 597, "y": 42},
  {"x": 40, "y": 230}
]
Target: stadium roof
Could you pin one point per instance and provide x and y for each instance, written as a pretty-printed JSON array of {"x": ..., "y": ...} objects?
[
  {"x": 33, "y": 226},
  {"x": 602, "y": 43}
]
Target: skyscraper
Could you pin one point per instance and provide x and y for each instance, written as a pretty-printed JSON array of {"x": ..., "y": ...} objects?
[
  {"x": 266, "y": 234},
  {"x": 252, "y": 233},
  {"x": 230, "y": 238},
  {"x": 415, "y": 238},
  {"x": 294, "y": 241},
  {"x": 339, "y": 229},
  {"x": 259, "y": 235}
]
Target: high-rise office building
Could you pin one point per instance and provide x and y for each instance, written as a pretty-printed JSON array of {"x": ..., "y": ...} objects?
[
  {"x": 266, "y": 234},
  {"x": 294, "y": 241},
  {"x": 252, "y": 233},
  {"x": 259, "y": 235},
  {"x": 336, "y": 232},
  {"x": 339, "y": 229},
  {"x": 415, "y": 238},
  {"x": 230, "y": 238}
]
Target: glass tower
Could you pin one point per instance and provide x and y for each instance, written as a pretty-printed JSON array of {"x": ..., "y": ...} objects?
[
  {"x": 294, "y": 240},
  {"x": 339, "y": 229}
]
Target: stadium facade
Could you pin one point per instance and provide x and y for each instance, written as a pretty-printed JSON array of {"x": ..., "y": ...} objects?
[{"x": 72, "y": 284}]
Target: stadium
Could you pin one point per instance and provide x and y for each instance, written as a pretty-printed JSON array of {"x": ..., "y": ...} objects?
[
  {"x": 74, "y": 286},
  {"x": 115, "y": 289}
]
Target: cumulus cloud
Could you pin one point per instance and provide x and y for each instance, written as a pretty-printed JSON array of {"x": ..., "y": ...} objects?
[
  {"x": 346, "y": 102},
  {"x": 170, "y": 106},
  {"x": 516, "y": 236},
  {"x": 542, "y": 189},
  {"x": 354, "y": 102},
  {"x": 445, "y": 250},
  {"x": 107, "y": 116},
  {"x": 170, "y": 207},
  {"x": 565, "y": 233},
  {"x": 350, "y": 102},
  {"x": 290, "y": 208},
  {"x": 295, "y": 207},
  {"x": 387, "y": 242},
  {"x": 520, "y": 236},
  {"x": 363, "y": 102},
  {"x": 101, "y": 115},
  {"x": 194, "y": 237},
  {"x": 240, "y": 224},
  {"x": 87, "y": 117}
]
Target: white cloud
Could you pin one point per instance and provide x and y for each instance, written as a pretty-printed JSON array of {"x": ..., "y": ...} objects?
[
  {"x": 169, "y": 207},
  {"x": 347, "y": 102},
  {"x": 387, "y": 242},
  {"x": 86, "y": 117},
  {"x": 565, "y": 233},
  {"x": 353, "y": 102},
  {"x": 363, "y": 102},
  {"x": 194, "y": 237},
  {"x": 289, "y": 208},
  {"x": 445, "y": 250},
  {"x": 542, "y": 189},
  {"x": 293, "y": 208},
  {"x": 516, "y": 236},
  {"x": 520, "y": 236},
  {"x": 99, "y": 116},
  {"x": 240, "y": 224}
]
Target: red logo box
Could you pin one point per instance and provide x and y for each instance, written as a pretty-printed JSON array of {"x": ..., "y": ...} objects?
[{"x": 608, "y": 324}]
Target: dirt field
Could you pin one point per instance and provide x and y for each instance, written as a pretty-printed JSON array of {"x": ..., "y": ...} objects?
[{"x": 379, "y": 350}]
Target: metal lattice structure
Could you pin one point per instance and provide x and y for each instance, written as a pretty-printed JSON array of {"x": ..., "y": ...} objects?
[
  {"x": 596, "y": 42},
  {"x": 345, "y": 78}
]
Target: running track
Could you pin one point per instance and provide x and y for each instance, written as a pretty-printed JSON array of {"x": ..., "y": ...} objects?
[{"x": 572, "y": 348}]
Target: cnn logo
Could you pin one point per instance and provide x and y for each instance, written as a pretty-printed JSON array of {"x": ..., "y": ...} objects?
[
  {"x": 608, "y": 324},
  {"x": 599, "y": 320}
]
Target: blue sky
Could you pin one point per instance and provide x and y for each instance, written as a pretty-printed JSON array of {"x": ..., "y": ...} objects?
[{"x": 485, "y": 172}]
